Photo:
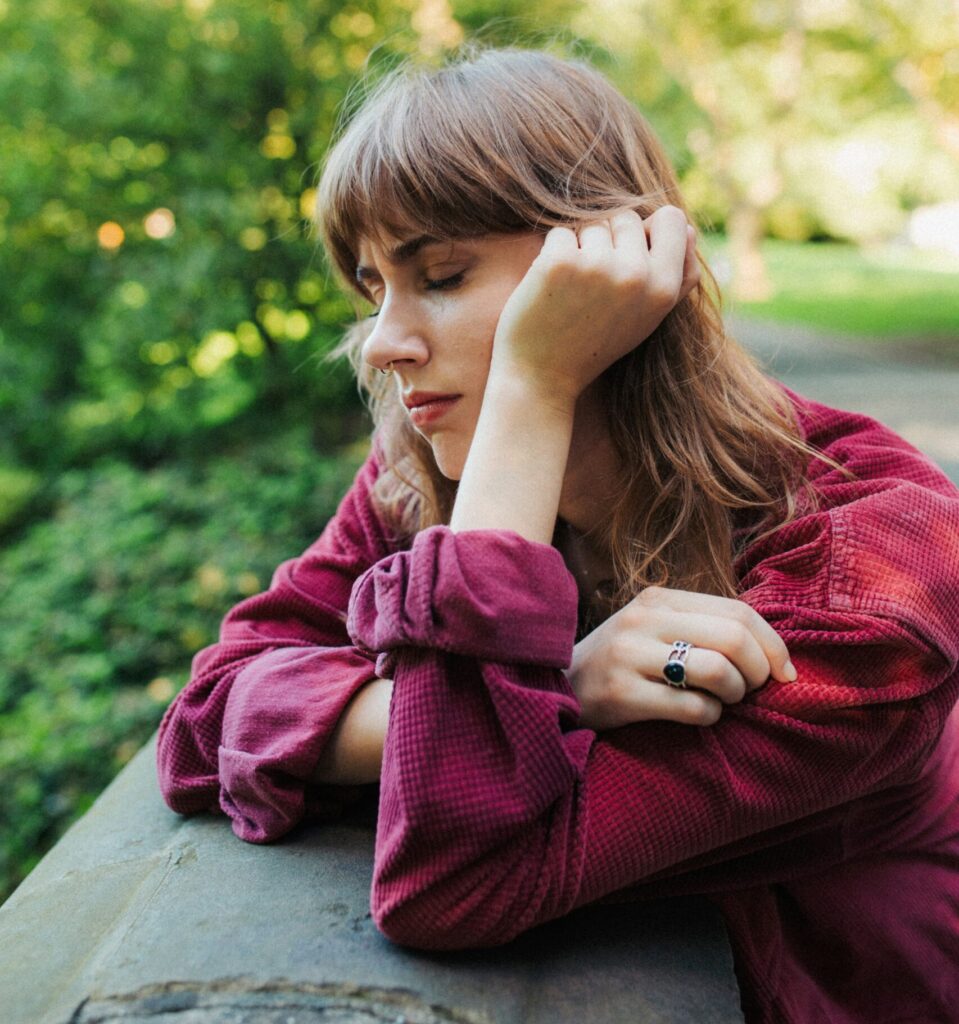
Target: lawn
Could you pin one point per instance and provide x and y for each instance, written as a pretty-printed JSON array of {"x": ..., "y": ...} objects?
[{"x": 890, "y": 293}]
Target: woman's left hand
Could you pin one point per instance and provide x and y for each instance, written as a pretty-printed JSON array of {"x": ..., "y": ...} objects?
[
  {"x": 591, "y": 296},
  {"x": 617, "y": 669}
]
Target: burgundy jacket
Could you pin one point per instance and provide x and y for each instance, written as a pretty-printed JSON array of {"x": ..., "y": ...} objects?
[{"x": 821, "y": 815}]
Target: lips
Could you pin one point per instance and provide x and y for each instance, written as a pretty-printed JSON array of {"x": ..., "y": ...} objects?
[
  {"x": 427, "y": 409},
  {"x": 418, "y": 398}
]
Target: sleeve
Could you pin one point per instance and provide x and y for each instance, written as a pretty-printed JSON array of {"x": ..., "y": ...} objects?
[
  {"x": 247, "y": 731},
  {"x": 497, "y": 812}
]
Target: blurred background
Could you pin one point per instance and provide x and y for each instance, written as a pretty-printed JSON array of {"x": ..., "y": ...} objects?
[{"x": 169, "y": 431}]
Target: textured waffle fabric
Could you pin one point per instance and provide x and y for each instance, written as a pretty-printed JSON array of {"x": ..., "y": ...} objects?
[{"x": 821, "y": 815}]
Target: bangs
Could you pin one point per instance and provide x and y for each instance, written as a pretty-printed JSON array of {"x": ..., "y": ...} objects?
[
  {"x": 505, "y": 141},
  {"x": 399, "y": 170}
]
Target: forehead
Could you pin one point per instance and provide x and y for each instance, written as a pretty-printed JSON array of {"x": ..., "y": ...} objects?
[{"x": 395, "y": 249}]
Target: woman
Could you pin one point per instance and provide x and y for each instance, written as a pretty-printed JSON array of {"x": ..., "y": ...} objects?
[{"x": 607, "y": 612}]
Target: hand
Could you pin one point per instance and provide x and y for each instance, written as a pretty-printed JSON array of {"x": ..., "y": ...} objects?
[
  {"x": 617, "y": 670},
  {"x": 592, "y": 295}
]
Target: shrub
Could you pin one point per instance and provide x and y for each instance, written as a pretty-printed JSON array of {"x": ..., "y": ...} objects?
[{"x": 103, "y": 605}]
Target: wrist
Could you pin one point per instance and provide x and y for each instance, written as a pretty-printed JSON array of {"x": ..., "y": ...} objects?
[
  {"x": 354, "y": 752},
  {"x": 514, "y": 384},
  {"x": 517, "y": 460}
]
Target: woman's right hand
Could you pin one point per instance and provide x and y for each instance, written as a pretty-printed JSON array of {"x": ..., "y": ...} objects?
[
  {"x": 593, "y": 293},
  {"x": 617, "y": 670}
]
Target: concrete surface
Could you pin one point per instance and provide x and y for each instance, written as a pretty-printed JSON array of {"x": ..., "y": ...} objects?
[{"x": 138, "y": 916}]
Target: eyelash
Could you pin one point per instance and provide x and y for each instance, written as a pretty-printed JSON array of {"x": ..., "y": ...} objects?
[{"x": 441, "y": 284}]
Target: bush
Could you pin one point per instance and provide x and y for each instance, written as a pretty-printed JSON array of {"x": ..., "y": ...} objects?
[
  {"x": 103, "y": 605},
  {"x": 18, "y": 487}
]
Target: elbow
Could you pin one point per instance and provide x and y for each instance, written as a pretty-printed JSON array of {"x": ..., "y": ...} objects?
[
  {"x": 184, "y": 786},
  {"x": 172, "y": 780},
  {"x": 185, "y": 794},
  {"x": 422, "y": 922},
  {"x": 465, "y": 909}
]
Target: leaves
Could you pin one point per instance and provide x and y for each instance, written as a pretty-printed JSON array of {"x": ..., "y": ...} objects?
[{"x": 103, "y": 606}]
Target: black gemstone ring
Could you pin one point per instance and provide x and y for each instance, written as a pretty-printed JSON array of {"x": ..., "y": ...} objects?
[{"x": 674, "y": 671}]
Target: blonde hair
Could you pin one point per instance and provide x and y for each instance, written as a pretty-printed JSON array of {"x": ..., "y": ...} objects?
[{"x": 513, "y": 140}]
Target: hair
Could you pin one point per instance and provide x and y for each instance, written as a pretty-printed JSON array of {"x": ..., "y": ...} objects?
[{"x": 509, "y": 140}]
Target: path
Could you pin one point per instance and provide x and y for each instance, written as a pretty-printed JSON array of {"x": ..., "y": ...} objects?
[{"x": 917, "y": 399}]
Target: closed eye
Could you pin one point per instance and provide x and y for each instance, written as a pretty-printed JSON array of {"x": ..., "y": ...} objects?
[
  {"x": 435, "y": 285},
  {"x": 441, "y": 284}
]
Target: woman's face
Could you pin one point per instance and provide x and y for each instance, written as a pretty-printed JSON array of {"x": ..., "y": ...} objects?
[{"x": 438, "y": 306}]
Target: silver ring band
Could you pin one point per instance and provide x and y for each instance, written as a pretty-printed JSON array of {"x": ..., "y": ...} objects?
[{"x": 674, "y": 671}]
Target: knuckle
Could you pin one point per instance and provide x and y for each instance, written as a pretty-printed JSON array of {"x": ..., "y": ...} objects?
[
  {"x": 620, "y": 649},
  {"x": 632, "y": 616},
  {"x": 738, "y": 638},
  {"x": 711, "y": 670},
  {"x": 734, "y": 690},
  {"x": 743, "y": 613},
  {"x": 670, "y": 210},
  {"x": 662, "y": 292},
  {"x": 703, "y": 711},
  {"x": 630, "y": 271}
]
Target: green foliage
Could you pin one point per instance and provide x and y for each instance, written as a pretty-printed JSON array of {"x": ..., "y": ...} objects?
[
  {"x": 888, "y": 292},
  {"x": 102, "y": 606},
  {"x": 159, "y": 277},
  {"x": 17, "y": 488}
]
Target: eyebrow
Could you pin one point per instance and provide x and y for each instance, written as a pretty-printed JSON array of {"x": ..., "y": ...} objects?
[{"x": 399, "y": 254}]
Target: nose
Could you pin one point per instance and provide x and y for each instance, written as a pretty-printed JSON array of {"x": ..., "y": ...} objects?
[{"x": 396, "y": 339}]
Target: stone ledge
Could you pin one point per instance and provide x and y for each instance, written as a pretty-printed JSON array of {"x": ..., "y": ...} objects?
[{"x": 139, "y": 915}]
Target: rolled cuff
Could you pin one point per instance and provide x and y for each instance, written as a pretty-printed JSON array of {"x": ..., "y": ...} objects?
[{"x": 488, "y": 594}]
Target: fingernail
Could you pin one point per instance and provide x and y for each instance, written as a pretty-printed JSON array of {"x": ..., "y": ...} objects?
[{"x": 789, "y": 671}]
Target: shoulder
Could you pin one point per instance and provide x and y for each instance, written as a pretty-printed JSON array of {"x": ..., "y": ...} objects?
[
  {"x": 865, "y": 447},
  {"x": 878, "y": 537}
]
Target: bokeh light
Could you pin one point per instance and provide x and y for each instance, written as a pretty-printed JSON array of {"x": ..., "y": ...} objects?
[
  {"x": 160, "y": 223},
  {"x": 110, "y": 235}
]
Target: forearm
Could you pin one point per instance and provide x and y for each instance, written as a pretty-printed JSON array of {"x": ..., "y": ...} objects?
[
  {"x": 355, "y": 751},
  {"x": 517, "y": 459}
]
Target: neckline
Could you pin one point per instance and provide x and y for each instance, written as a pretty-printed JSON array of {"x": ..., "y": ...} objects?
[{"x": 591, "y": 572}]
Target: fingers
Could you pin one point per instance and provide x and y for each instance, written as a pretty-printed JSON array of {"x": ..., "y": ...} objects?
[
  {"x": 596, "y": 238},
  {"x": 668, "y": 242},
  {"x": 660, "y": 250},
  {"x": 691, "y": 268},
  {"x": 649, "y": 701},
  {"x": 710, "y": 670},
  {"x": 706, "y": 669},
  {"x": 629, "y": 234},
  {"x": 728, "y": 626},
  {"x": 559, "y": 242}
]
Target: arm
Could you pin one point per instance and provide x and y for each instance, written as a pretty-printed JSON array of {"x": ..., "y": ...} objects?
[
  {"x": 354, "y": 752},
  {"x": 497, "y": 812},
  {"x": 263, "y": 704}
]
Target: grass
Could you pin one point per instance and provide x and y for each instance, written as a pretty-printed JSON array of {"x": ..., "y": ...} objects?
[{"x": 890, "y": 293}]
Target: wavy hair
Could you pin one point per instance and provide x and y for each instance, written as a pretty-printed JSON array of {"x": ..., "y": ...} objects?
[{"x": 509, "y": 140}]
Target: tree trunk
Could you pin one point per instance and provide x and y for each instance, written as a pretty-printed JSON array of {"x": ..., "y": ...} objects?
[{"x": 750, "y": 282}]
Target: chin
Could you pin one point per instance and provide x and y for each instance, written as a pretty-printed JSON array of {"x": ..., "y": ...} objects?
[{"x": 449, "y": 461}]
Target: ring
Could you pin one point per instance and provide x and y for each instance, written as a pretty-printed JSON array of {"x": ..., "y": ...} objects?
[{"x": 674, "y": 671}]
